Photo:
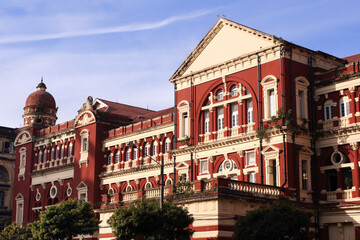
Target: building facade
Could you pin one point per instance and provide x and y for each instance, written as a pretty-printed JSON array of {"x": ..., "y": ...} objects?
[
  {"x": 7, "y": 165},
  {"x": 255, "y": 119}
]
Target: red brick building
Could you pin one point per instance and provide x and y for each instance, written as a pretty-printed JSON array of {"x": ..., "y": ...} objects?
[{"x": 255, "y": 118}]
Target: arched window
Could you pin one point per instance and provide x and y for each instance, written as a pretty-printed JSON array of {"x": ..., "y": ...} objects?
[
  {"x": 206, "y": 122},
  {"x": 249, "y": 111},
  {"x": 148, "y": 185},
  {"x": 44, "y": 158},
  {"x": 117, "y": 157},
  {"x": 154, "y": 150},
  {"x": 146, "y": 150},
  {"x": 109, "y": 159},
  {"x": 52, "y": 154},
  {"x": 234, "y": 115},
  {"x": 135, "y": 153},
  {"x": 167, "y": 144},
  {"x": 62, "y": 152},
  {"x": 39, "y": 157},
  {"x": 220, "y": 95},
  {"x": 234, "y": 91},
  {"x": 128, "y": 154},
  {"x": 70, "y": 150},
  {"x": 4, "y": 175},
  {"x": 57, "y": 153},
  {"x": 344, "y": 106},
  {"x": 328, "y": 110},
  {"x": 128, "y": 188}
]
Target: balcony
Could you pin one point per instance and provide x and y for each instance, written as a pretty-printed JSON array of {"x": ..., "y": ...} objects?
[
  {"x": 339, "y": 195},
  {"x": 53, "y": 163},
  {"x": 202, "y": 189},
  {"x": 328, "y": 124}
]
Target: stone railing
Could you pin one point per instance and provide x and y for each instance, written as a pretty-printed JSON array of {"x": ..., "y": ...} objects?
[
  {"x": 220, "y": 134},
  {"x": 53, "y": 163},
  {"x": 250, "y": 127},
  {"x": 328, "y": 124},
  {"x": 344, "y": 122},
  {"x": 254, "y": 188},
  {"x": 334, "y": 196},
  {"x": 130, "y": 196}
]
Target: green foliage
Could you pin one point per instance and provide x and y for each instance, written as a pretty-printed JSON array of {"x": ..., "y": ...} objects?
[
  {"x": 282, "y": 121},
  {"x": 281, "y": 220},
  {"x": 182, "y": 190},
  {"x": 65, "y": 221},
  {"x": 146, "y": 219},
  {"x": 15, "y": 232}
]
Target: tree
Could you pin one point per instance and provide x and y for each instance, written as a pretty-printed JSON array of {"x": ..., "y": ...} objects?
[
  {"x": 281, "y": 220},
  {"x": 15, "y": 231},
  {"x": 65, "y": 220},
  {"x": 146, "y": 219}
]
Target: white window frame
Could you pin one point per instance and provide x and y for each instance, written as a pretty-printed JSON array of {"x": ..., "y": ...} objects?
[
  {"x": 62, "y": 151},
  {"x": 70, "y": 149},
  {"x": 82, "y": 189},
  {"x": 328, "y": 110},
  {"x": 22, "y": 163},
  {"x": 109, "y": 159},
  {"x": 167, "y": 145},
  {"x": 344, "y": 106},
  {"x": 204, "y": 166},
  {"x": 234, "y": 115},
  {"x": 44, "y": 156},
  {"x": 184, "y": 122},
  {"x": 117, "y": 157},
  {"x": 269, "y": 84},
  {"x": 127, "y": 155},
  {"x": 249, "y": 111},
  {"x": 206, "y": 122},
  {"x": 305, "y": 155},
  {"x": 84, "y": 152},
  {"x": 146, "y": 150},
  {"x": 19, "y": 209},
  {"x": 250, "y": 162},
  {"x": 220, "y": 95},
  {"x": 135, "y": 153},
  {"x": 271, "y": 153},
  {"x": 220, "y": 118},
  {"x": 39, "y": 157},
  {"x": 154, "y": 148},
  {"x": 252, "y": 177},
  {"x": 234, "y": 91},
  {"x": 301, "y": 85}
]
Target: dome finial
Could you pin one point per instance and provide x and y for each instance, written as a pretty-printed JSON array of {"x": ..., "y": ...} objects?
[{"x": 41, "y": 86}]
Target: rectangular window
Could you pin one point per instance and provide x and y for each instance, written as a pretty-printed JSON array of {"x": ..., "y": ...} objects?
[
  {"x": 167, "y": 146},
  {"x": 204, "y": 166},
  {"x": 272, "y": 109},
  {"x": 44, "y": 159},
  {"x": 206, "y": 122},
  {"x": 154, "y": 149},
  {"x": 220, "y": 118},
  {"x": 19, "y": 219},
  {"x": 301, "y": 104},
  {"x": 329, "y": 111},
  {"x": 2, "y": 199},
  {"x": 250, "y": 158},
  {"x": 344, "y": 109},
  {"x": 69, "y": 150},
  {"x": 304, "y": 174},
  {"x": 135, "y": 153},
  {"x": 57, "y": 153},
  {"x": 109, "y": 159},
  {"x": 117, "y": 158},
  {"x": 23, "y": 160},
  {"x": 83, "y": 197},
  {"x": 252, "y": 177},
  {"x": 39, "y": 157},
  {"x": 234, "y": 115},
  {"x": 186, "y": 125},
  {"x": 146, "y": 151},
  {"x": 249, "y": 111},
  {"x": 127, "y": 158},
  {"x": 85, "y": 145}
]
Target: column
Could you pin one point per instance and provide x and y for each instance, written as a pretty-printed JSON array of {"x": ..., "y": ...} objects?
[{"x": 355, "y": 172}]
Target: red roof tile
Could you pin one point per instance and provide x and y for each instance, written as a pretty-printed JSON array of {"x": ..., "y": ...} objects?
[
  {"x": 353, "y": 58},
  {"x": 125, "y": 110}
]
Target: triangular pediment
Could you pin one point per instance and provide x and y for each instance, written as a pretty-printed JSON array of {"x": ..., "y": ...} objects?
[
  {"x": 270, "y": 149},
  {"x": 182, "y": 165},
  {"x": 82, "y": 185},
  {"x": 306, "y": 151},
  {"x": 225, "y": 41}
]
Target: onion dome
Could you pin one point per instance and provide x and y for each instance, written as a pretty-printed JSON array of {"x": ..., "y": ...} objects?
[{"x": 40, "y": 107}]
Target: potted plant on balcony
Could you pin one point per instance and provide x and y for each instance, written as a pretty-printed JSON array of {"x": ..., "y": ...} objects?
[{"x": 348, "y": 182}]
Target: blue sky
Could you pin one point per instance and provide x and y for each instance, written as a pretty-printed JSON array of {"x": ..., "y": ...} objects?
[{"x": 126, "y": 51}]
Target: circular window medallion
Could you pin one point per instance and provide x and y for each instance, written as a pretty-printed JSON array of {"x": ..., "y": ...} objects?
[
  {"x": 227, "y": 165},
  {"x": 53, "y": 191},
  {"x": 68, "y": 191},
  {"x": 38, "y": 196},
  {"x": 337, "y": 158}
]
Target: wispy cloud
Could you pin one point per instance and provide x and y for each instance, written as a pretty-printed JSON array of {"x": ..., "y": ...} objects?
[{"x": 98, "y": 31}]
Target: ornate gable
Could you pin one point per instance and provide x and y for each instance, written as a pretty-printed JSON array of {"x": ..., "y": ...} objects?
[
  {"x": 269, "y": 150},
  {"x": 84, "y": 118},
  {"x": 225, "y": 41},
  {"x": 23, "y": 137}
]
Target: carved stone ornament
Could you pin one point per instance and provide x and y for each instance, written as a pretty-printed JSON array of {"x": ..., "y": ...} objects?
[
  {"x": 23, "y": 138},
  {"x": 85, "y": 119}
]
